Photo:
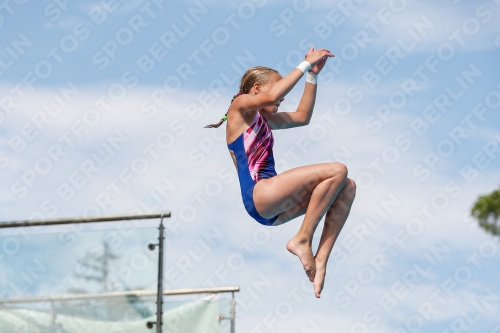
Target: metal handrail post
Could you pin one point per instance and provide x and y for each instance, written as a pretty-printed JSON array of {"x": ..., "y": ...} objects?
[
  {"x": 233, "y": 311},
  {"x": 52, "y": 317},
  {"x": 159, "y": 300}
]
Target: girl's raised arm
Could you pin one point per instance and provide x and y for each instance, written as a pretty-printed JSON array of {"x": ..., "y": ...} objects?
[
  {"x": 303, "y": 114},
  {"x": 259, "y": 98}
]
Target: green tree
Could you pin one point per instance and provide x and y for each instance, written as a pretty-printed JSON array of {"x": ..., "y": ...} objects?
[{"x": 487, "y": 211}]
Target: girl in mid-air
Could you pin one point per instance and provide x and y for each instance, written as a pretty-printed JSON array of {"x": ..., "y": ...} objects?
[{"x": 313, "y": 190}]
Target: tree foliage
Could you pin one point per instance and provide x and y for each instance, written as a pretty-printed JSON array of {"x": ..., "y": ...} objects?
[{"x": 487, "y": 211}]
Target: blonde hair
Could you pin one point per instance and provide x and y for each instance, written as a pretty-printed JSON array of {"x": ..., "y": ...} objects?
[{"x": 257, "y": 74}]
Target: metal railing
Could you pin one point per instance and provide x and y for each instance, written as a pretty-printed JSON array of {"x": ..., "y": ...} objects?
[
  {"x": 92, "y": 219},
  {"x": 134, "y": 293},
  {"x": 160, "y": 292},
  {"x": 116, "y": 294}
]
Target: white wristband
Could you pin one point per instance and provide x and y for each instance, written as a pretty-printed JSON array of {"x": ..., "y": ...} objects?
[
  {"x": 312, "y": 78},
  {"x": 304, "y": 66}
]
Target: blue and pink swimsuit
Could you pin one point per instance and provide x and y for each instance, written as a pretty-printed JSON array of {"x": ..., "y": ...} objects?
[{"x": 253, "y": 151}]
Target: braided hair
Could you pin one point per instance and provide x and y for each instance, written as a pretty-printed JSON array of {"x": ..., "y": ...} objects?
[
  {"x": 224, "y": 118},
  {"x": 253, "y": 75}
]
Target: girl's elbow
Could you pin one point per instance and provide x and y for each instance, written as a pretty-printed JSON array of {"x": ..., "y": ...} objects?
[
  {"x": 305, "y": 120},
  {"x": 274, "y": 98},
  {"x": 302, "y": 121}
]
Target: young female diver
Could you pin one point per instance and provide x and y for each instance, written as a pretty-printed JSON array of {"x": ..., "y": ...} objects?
[{"x": 313, "y": 190}]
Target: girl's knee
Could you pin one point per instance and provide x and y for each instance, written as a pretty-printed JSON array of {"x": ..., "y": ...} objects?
[
  {"x": 339, "y": 170},
  {"x": 350, "y": 188}
]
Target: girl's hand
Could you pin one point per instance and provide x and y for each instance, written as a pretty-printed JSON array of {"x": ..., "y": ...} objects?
[{"x": 317, "y": 59}]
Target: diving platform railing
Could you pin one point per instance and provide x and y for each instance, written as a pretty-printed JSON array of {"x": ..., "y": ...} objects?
[
  {"x": 91, "y": 219},
  {"x": 159, "y": 293}
]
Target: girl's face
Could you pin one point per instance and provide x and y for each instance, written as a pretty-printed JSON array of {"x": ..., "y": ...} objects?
[{"x": 272, "y": 109}]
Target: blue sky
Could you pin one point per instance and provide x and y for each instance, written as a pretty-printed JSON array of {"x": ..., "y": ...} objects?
[{"x": 101, "y": 113}]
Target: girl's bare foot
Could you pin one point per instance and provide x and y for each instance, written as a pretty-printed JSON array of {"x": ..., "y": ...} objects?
[
  {"x": 302, "y": 249},
  {"x": 319, "y": 279}
]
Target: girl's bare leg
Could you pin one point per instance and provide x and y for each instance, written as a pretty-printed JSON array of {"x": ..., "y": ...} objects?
[
  {"x": 334, "y": 221},
  {"x": 321, "y": 183},
  {"x": 321, "y": 200}
]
